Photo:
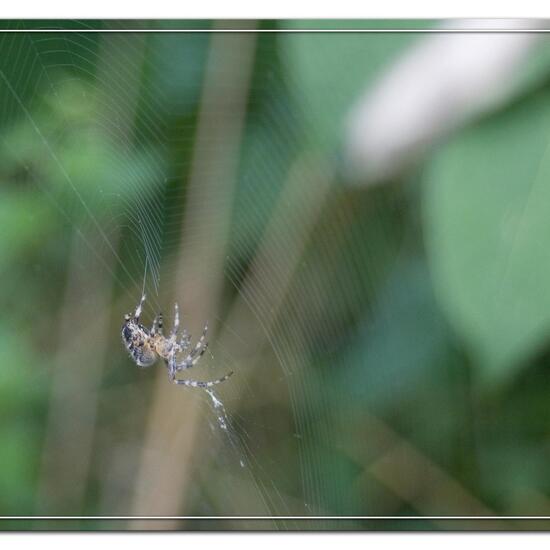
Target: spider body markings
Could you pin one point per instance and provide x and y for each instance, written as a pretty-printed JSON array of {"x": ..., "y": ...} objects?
[{"x": 147, "y": 345}]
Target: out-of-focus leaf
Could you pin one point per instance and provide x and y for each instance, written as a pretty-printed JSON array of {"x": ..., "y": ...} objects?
[
  {"x": 329, "y": 71},
  {"x": 17, "y": 463},
  {"x": 487, "y": 233},
  {"x": 335, "y": 479},
  {"x": 536, "y": 68},
  {"x": 401, "y": 348},
  {"x": 269, "y": 146},
  {"x": 177, "y": 63},
  {"x": 74, "y": 160},
  {"x": 21, "y": 385},
  {"x": 26, "y": 220},
  {"x": 502, "y": 459}
]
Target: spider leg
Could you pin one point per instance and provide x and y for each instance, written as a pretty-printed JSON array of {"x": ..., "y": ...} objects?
[
  {"x": 160, "y": 323},
  {"x": 200, "y": 383},
  {"x": 201, "y": 345},
  {"x": 175, "y": 328},
  {"x": 185, "y": 340},
  {"x": 171, "y": 364},
  {"x": 189, "y": 362},
  {"x": 138, "y": 309},
  {"x": 173, "y": 367},
  {"x": 197, "y": 352},
  {"x": 157, "y": 325}
]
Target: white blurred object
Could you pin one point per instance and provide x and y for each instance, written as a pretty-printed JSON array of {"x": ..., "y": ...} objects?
[{"x": 436, "y": 85}]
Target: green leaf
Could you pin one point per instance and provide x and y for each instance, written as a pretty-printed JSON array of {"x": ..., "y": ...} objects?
[
  {"x": 18, "y": 459},
  {"x": 403, "y": 347},
  {"x": 487, "y": 214},
  {"x": 328, "y": 72},
  {"x": 26, "y": 221}
]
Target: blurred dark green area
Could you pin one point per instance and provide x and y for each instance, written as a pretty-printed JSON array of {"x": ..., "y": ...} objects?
[{"x": 405, "y": 370}]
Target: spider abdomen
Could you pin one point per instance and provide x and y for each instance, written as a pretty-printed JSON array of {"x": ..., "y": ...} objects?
[
  {"x": 136, "y": 338},
  {"x": 144, "y": 357}
]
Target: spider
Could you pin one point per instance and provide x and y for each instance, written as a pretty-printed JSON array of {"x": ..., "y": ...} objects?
[{"x": 145, "y": 346}]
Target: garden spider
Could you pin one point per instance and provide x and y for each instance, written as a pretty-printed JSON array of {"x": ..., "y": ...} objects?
[{"x": 145, "y": 346}]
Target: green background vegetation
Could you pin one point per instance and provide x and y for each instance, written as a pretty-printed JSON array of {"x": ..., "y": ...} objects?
[{"x": 392, "y": 357}]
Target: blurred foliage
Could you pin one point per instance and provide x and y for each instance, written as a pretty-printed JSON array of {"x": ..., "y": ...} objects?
[
  {"x": 487, "y": 234},
  {"x": 327, "y": 73},
  {"x": 415, "y": 317}
]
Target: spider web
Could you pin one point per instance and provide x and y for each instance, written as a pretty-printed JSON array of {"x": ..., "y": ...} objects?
[
  {"x": 174, "y": 162},
  {"x": 101, "y": 124}
]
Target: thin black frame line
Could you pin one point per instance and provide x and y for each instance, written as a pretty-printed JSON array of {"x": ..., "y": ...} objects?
[
  {"x": 261, "y": 31},
  {"x": 372, "y": 518}
]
